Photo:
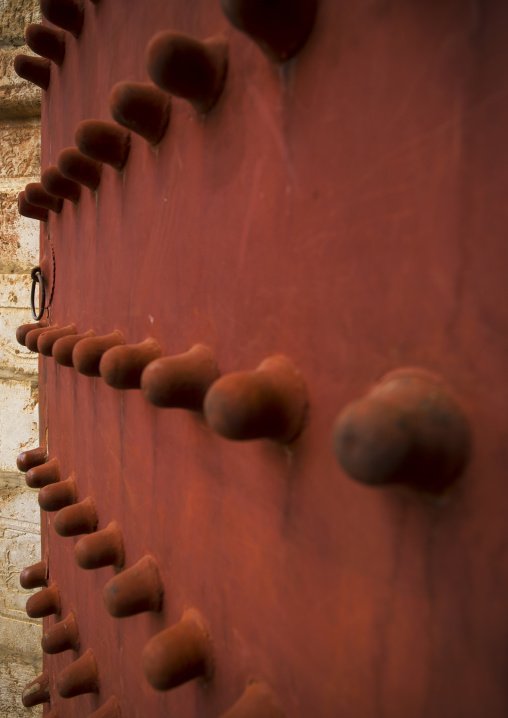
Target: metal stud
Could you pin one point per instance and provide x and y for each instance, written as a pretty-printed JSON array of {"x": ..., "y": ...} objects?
[
  {"x": 80, "y": 518},
  {"x": 56, "y": 496},
  {"x": 269, "y": 402},
  {"x": 256, "y": 702},
  {"x": 35, "y": 576},
  {"x": 37, "y": 691},
  {"x": 62, "y": 636},
  {"x": 45, "y": 602},
  {"x": 135, "y": 590},
  {"x": 121, "y": 367},
  {"x": 56, "y": 184},
  {"x": 80, "y": 677},
  {"x": 110, "y": 709},
  {"x": 47, "y": 42},
  {"x": 37, "y": 195},
  {"x": 280, "y": 28},
  {"x": 31, "y": 211},
  {"x": 188, "y": 68},
  {"x": 409, "y": 429},
  {"x": 32, "y": 337},
  {"x": 34, "y": 69},
  {"x": 102, "y": 548},
  {"x": 63, "y": 348},
  {"x": 67, "y": 14},
  {"x": 29, "y": 459},
  {"x": 47, "y": 339},
  {"x": 75, "y": 166},
  {"x": 142, "y": 108},
  {"x": 180, "y": 381},
  {"x": 104, "y": 142},
  {"x": 87, "y": 353},
  {"x": 23, "y": 330},
  {"x": 43, "y": 475},
  {"x": 179, "y": 654}
]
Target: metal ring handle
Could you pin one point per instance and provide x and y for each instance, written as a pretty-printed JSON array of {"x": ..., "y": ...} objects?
[{"x": 37, "y": 278}]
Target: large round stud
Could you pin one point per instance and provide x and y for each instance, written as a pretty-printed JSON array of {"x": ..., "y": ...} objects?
[
  {"x": 104, "y": 142},
  {"x": 35, "y": 576},
  {"x": 279, "y": 27},
  {"x": 179, "y": 654},
  {"x": 56, "y": 184},
  {"x": 62, "y": 636},
  {"x": 121, "y": 367},
  {"x": 37, "y": 195},
  {"x": 67, "y": 14},
  {"x": 87, "y": 354},
  {"x": 47, "y": 339},
  {"x": 102, "y": 548},
  {"x": 44, "y": 603},
  {"x": 37, "y": 691},
  {"x": 34, "y": 69},
  {"x": 188, "y": 68},
  {"x": 76, "y": 519},
  {"x": 46, "y": 42},
  {"x": 80, "y": 677},
  {"x": 142, "y": 108},
  {"x": 63, "y": 347},
  {"x": 31, "y": 211},
  {"x": 408, "y": 429},
  {"x": 75, "y": 166},
  {"x": 43, "y": 474},
  {"x": 269, "y": 402},
  {"x": 180, "y": 381},
  {"x": 135, "y": 590}
]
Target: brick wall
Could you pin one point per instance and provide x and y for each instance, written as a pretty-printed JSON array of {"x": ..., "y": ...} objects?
[{"x": 20, "y": 652}]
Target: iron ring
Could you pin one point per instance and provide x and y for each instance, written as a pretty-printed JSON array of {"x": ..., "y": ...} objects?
[{"x": 37, "y": 278}]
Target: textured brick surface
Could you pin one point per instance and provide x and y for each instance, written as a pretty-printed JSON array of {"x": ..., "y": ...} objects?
[
  {"x": 18, "y": 98},
  {"x": 18, "y": 235},
  {"x": 20, "y": 153},
  {"x": 14, "y": 16}
]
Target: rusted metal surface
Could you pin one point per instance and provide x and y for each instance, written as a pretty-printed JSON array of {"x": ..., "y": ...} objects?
[{"x": 344, "y": 210}]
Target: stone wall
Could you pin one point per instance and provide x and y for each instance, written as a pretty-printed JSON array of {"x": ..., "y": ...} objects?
[{"x": 20, "y": 652}]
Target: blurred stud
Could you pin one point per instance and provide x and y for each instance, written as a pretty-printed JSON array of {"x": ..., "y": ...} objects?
[
  {"x": 23, "y": 330},
  {"x": 45, "y": 602},
  {"x": 77, "y": 519},
  {"x": 135, "y": 590},
  {"x": 121, "y": 367},
  {"x": 104, "y": 142},
  {"x": 56, "y": 496},
  {"x": 102, "y": 548},
  {"x": 63, "y": 347},
  {"x": 37, "y": 691},
  {"x": 57, "y": 185},
  {"x": 46, "y": 340},
  {"x": 280, "y": 28},
  {"x": 34, "y": 69},
  {"x": 46, "y": 42},
  {"x": 181, "y": 381},
  {"x": 43, "y": 475},
  {"x": 87, "y": 354},
  {"x": 62, "y": 636},
  {"x": 37, "y": 196},
  {"x": 256, "y": 702},
  {"x": 29, "y": 459},
  {"x": 31, "y": 211},
  {"x": 67, "y": 14},
  {"x": 76, "y": 167},
  {"x": 32, "y": 337},
  {"x": 188, "y": 68},
  {"x": 408, "y": 429},
  {"x": 80, "y": 677},
  {"x": 269, "y": 402},
  {"x": 142, "y": 108},
  {"x": 35, "y": 576},
  {"x": 110, "y": 709},
  {"x": 179, "y": 654}
]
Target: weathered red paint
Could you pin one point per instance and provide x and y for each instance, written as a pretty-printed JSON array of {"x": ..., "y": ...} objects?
[{"x": 347, "y": 210}]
